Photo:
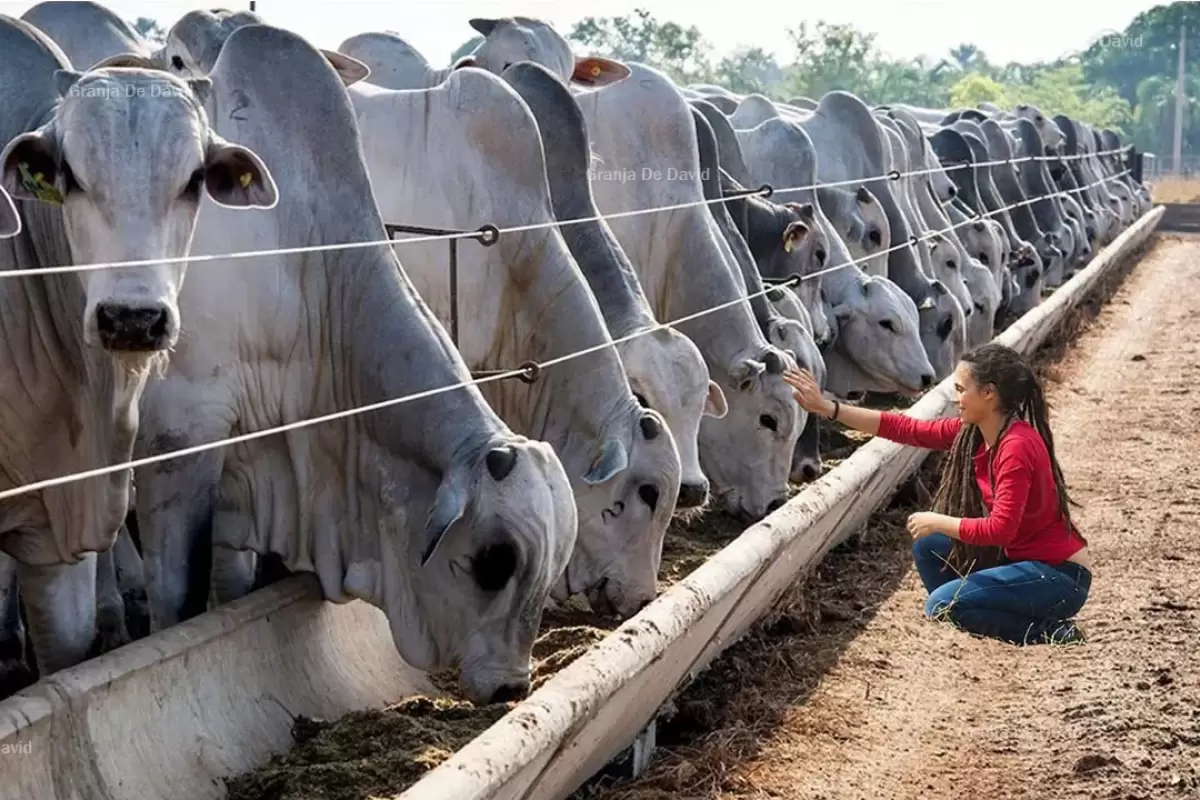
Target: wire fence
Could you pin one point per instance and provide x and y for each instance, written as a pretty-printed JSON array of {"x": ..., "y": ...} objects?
[
  {"x": 530, "y": 369},
  {"x": 490, "y": 230}
]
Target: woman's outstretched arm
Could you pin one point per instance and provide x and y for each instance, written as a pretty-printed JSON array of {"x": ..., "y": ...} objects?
[{"x": 935, "y": 434}]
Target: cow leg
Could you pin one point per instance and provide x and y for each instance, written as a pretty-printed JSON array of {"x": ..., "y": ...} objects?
[
  {"x": 131, "y": 581},
  {"x": 14, "y": 673},
  {"x": 60, "y": 607},
  {"x": 111, "y": 632},
  {"x": 233, "y": 574},
  {"x": 175, "y": 504}
]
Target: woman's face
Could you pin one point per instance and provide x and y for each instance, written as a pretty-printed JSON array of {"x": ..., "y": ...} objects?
[{"x": 975, "y": 403}]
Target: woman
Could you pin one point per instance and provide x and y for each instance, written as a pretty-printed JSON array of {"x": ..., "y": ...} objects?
[{"x": 1001, "y": 487}]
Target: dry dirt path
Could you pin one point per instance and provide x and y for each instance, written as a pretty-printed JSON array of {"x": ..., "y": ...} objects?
[{"x": 854, "y": 696}]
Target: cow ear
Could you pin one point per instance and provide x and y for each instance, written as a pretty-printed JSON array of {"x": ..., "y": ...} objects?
[
  {"x": 793, "y": 234},
  {"x": 10, "y": 220},
  {"x": 484, "y": 25},
  {"x": 715, "y": 405},
  {"x": 609, "y": 462},
  {"x": 236, "y": 177},
  {"x": 29, "y": 168},
  {"x": 449, "y": 506},
  {"x": 466, "y": 61},
  {"x": 745, "y": 372},
  {"x": 350, "y": 70},
  {"x": 64, "y": 79},
  {"x": 202, "y": 88},
  {"x": 598, "y": 71}
]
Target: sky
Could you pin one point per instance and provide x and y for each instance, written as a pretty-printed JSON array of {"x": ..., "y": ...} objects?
[{"x": 1013, "y": 30}]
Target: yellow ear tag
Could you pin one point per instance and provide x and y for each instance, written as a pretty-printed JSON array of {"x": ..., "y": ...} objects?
[
  {"x": 37, "y": 184},
  {"x": 787, "y": 244},
  {"x": 245, "y": 180}
]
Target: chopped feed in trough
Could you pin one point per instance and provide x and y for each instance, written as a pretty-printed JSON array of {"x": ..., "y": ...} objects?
[
  {"x": 381, "y": 753},
  {"x": 366, "y": 753}
]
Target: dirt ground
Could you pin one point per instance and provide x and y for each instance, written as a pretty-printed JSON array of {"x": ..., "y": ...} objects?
[
  {"x": 852, "y": 695},
  {"x": 1176, "y": 190}
]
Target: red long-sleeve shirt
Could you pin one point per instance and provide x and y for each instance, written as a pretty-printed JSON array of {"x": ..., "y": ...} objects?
[{"x": 1023, "y": 516}]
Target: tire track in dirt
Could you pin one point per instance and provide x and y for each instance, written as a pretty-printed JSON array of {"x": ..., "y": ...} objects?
[{"x": 901, "y": 708}]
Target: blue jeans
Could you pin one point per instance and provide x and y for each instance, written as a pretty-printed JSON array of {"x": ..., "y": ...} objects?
[{"x": 1023, "y": 602}]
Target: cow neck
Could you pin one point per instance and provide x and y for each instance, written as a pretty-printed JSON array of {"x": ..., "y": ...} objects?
[
  {"x": 723, "y": 335},
  {"x": 606, "y": 267},
  {"x": 567, "y": 395},
  {"x": 903, "y": 268},
  {"x": 390, "y": 324}
]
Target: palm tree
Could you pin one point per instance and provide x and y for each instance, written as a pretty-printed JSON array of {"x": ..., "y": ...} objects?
[{"x": 966, "y": 55}]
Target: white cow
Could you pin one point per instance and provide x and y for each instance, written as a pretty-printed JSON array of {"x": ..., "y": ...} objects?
[
  {"x": 395, "y": 64},
  {"x": 877, "y": 346},
  {"x": 109, "y": 166},
  {"x": 643, "y": 127},
  {"x": 87, "y": 32},
  {"x": 466, "y": 153},
  {"x": 461, "y": 526},
  {"x": 666, "y": 370},
  {"x": 193, "y": 43}
]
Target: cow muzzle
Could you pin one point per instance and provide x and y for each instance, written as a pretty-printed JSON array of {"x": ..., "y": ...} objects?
[{"x": 125, "y": 327}]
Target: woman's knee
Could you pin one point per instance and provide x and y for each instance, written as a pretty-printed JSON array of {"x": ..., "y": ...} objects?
[
  {"x": 944, "y": 601},
  {"x": 935, "y": 547}
]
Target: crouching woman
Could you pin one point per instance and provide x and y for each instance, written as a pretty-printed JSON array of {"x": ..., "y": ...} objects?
[{"x": 999, "y": 555}]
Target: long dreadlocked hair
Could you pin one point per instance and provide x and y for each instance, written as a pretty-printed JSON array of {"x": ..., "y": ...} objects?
[{"x": 1020, "y": 397}]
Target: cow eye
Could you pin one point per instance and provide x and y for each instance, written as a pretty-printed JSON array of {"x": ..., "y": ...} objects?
[
  {"x": 769, "y": 422},
  {"x": 177, "y": 62},
  {"x": 888, "y": 325},
  {"x": 493, "y": 566}
]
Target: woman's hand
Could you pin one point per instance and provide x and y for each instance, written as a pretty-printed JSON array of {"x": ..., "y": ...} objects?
[
  {"x": 923, "y": 523},
  {"x": 807, "y": 393}
]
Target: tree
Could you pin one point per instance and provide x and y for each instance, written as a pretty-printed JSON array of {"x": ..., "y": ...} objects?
[
  {"x": 150, "y": 30},
  {"x": 1149, "y": 46},
  {"x": 748, "y": 70},
  {"x": 831, "y": 57},
  {"x": 676, "y": 50},
  {"x": 971, "y": 90},
  {"x": 968, "y": 57},
  {"x": 828, "y": 57},
  {"x": 1154, "y": 117}
]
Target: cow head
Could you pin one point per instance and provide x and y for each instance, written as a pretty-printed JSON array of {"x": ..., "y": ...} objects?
[
  {"x": 509, "y": 40},
  {"x": 128, "y": 183},
  {"x": 466, "y": 583}
]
